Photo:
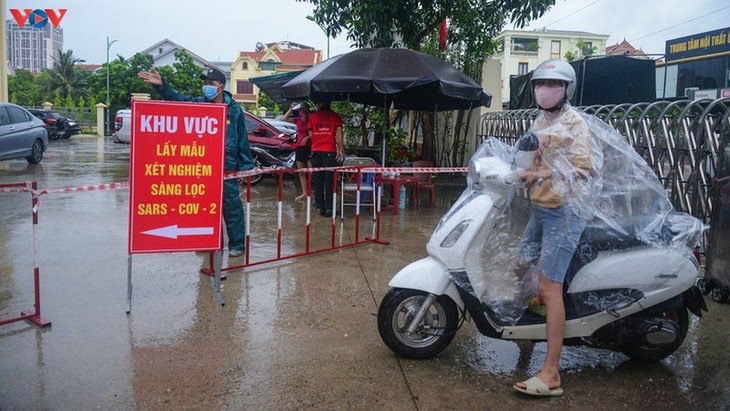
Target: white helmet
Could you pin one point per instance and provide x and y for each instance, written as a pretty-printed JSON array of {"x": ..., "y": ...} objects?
[{"x": 556, "y": 70}]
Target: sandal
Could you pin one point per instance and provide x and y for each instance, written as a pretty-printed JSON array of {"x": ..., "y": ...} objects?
[{"x": 535, "y": 387}]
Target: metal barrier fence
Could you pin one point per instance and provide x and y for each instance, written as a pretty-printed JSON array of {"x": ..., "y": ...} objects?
[
  {"x": 34, "y": 316},
  {"x": 679, "y": 140}
]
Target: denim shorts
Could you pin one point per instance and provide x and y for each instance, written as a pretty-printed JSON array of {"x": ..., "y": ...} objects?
[{"x": 551, "y": 235}]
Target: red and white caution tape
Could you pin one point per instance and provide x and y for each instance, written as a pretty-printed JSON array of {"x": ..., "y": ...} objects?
[
  {"x": 28, "y": 189},
  {"x": 23, "y": 187},
  {"x": 239, "y": 174},
  {"x": 368, "y": 169},
  {"x": 110, "y": 186}
]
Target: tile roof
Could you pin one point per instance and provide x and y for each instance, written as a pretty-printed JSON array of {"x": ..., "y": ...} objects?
[
  {"x": 298, "y": 58},
  {"x": 623, "y": 48}
]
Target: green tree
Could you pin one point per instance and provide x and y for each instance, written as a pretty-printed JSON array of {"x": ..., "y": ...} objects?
[
  {"x": 272, "y": 109},
  {"x": 415, "y": 24},
  {"x": 137, "y": 63},
  {"x": 92, "y": 106},
  {"x": 65, "y": 78},
  {"x": 118, "y": 80},
  {"x": 407, "y": 23},
  {"x": 42, "y": 81},
  {"x": 582, "y": 51},
  {"x": 22, "y": 89},
  {"x": 184, "y": 75},
  {"x": 68, "y": 102},
  {"x": 123, "y": 81},
  {"x": 57, "y": 102}
]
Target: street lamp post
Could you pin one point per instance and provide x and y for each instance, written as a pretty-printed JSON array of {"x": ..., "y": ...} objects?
[
  {"x": 311, "y": 18},
  {"x": 108, "y": 46}
]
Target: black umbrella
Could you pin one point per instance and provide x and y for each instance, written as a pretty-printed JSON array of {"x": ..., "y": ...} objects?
[{"x": 408, "y": 79}]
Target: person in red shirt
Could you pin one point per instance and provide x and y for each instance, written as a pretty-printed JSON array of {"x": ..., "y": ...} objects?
[
  {"x": 303, "y": 146},
  {"x": 325, "y": 132}
]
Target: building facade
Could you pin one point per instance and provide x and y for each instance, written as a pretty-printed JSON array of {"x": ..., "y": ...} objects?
[
  {"x": 696, "y": 66},
  {"x": 32, "y": 49},
  {"x": 272, "y": 60},
  {"x": 520, "y": 51}
]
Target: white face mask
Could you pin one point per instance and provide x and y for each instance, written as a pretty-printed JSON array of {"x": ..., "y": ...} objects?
[{"x": 548, "y": 97}]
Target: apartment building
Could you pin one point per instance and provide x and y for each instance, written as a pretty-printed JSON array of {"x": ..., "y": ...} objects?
[
  {"x": 520, "y": 51},
  {"x": 31, "y": 48}
]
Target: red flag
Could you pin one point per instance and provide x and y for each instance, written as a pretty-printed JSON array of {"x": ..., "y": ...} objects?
[{"x": 442, "y": 36}]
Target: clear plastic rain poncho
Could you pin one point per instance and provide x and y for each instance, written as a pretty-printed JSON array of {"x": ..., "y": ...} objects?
[{"x": 594, "y": 172}]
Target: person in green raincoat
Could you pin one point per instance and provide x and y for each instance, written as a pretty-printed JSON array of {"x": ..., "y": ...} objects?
[{"x": 238, "y": 155}]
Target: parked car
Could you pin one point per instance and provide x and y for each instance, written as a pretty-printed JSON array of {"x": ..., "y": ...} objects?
[
  {"x": 122, "y": 126},
  {"x": 260, "y": 133},
  {"x": 281, "y": 125},
  {"x": 265, "y": 135},
  {"x": 58, "y": 126},
  {"x": 72, "y": 128},
  {"x": 21, "y": 134}
]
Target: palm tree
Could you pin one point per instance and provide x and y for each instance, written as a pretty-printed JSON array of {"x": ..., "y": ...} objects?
[{"x": 65, "y": 78}]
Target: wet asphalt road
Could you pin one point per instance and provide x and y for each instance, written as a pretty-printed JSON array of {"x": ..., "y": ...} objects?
[{"x": 300, "y": 334}]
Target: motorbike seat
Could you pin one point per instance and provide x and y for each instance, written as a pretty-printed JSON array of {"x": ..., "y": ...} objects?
[{"x": 602, "y": 236}]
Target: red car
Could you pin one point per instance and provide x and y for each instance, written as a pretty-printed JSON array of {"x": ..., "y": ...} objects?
[{"x": 264, "y": 135}]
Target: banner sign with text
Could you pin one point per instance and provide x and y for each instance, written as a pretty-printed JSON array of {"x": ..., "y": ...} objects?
[
  {"x": 710, "y": 43},
  {"x": 176, "y": 176}
]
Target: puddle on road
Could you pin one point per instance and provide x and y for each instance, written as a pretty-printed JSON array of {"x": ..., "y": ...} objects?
[
  {"x": 490, "y": 356},
  {"x": 487, "y": 356}
]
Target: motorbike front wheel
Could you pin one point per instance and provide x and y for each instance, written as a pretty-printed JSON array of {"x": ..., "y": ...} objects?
[
  {"x": 256, "y": 178},
  {"x": 432, "y": 335},
  {"x": 646, "y": 352}
]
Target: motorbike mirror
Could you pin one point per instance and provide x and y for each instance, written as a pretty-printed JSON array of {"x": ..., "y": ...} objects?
[{"x": 528, "y": 142}]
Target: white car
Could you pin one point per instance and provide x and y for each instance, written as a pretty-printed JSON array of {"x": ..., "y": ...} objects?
[{"x": 122, "y": 127}]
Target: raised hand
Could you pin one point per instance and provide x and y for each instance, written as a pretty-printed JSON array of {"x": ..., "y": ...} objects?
[{"x": 152, "y": 77}]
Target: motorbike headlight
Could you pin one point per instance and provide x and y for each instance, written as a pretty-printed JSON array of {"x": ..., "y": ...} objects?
[{"x": 455, "y": 234}]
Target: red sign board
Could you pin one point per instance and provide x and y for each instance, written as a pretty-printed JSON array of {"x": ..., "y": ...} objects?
[{"x": 176, "y": 176}]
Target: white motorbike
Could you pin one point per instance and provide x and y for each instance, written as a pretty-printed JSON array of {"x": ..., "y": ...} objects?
[{"x": 619, "y": 293}]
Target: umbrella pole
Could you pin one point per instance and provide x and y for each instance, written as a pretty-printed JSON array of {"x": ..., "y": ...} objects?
[
  {"x": 435, "y": 133},
  {"x": 385, "y": 132}
]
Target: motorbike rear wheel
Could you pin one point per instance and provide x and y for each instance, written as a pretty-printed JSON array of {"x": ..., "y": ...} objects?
[
  {"x": 720, "y": 293},
  {"x": 433, "y": 334},
  {"x": 646, "y": 352}
]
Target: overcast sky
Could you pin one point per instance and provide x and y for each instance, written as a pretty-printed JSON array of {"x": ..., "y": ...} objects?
[{"x": 217, "y": 29}]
